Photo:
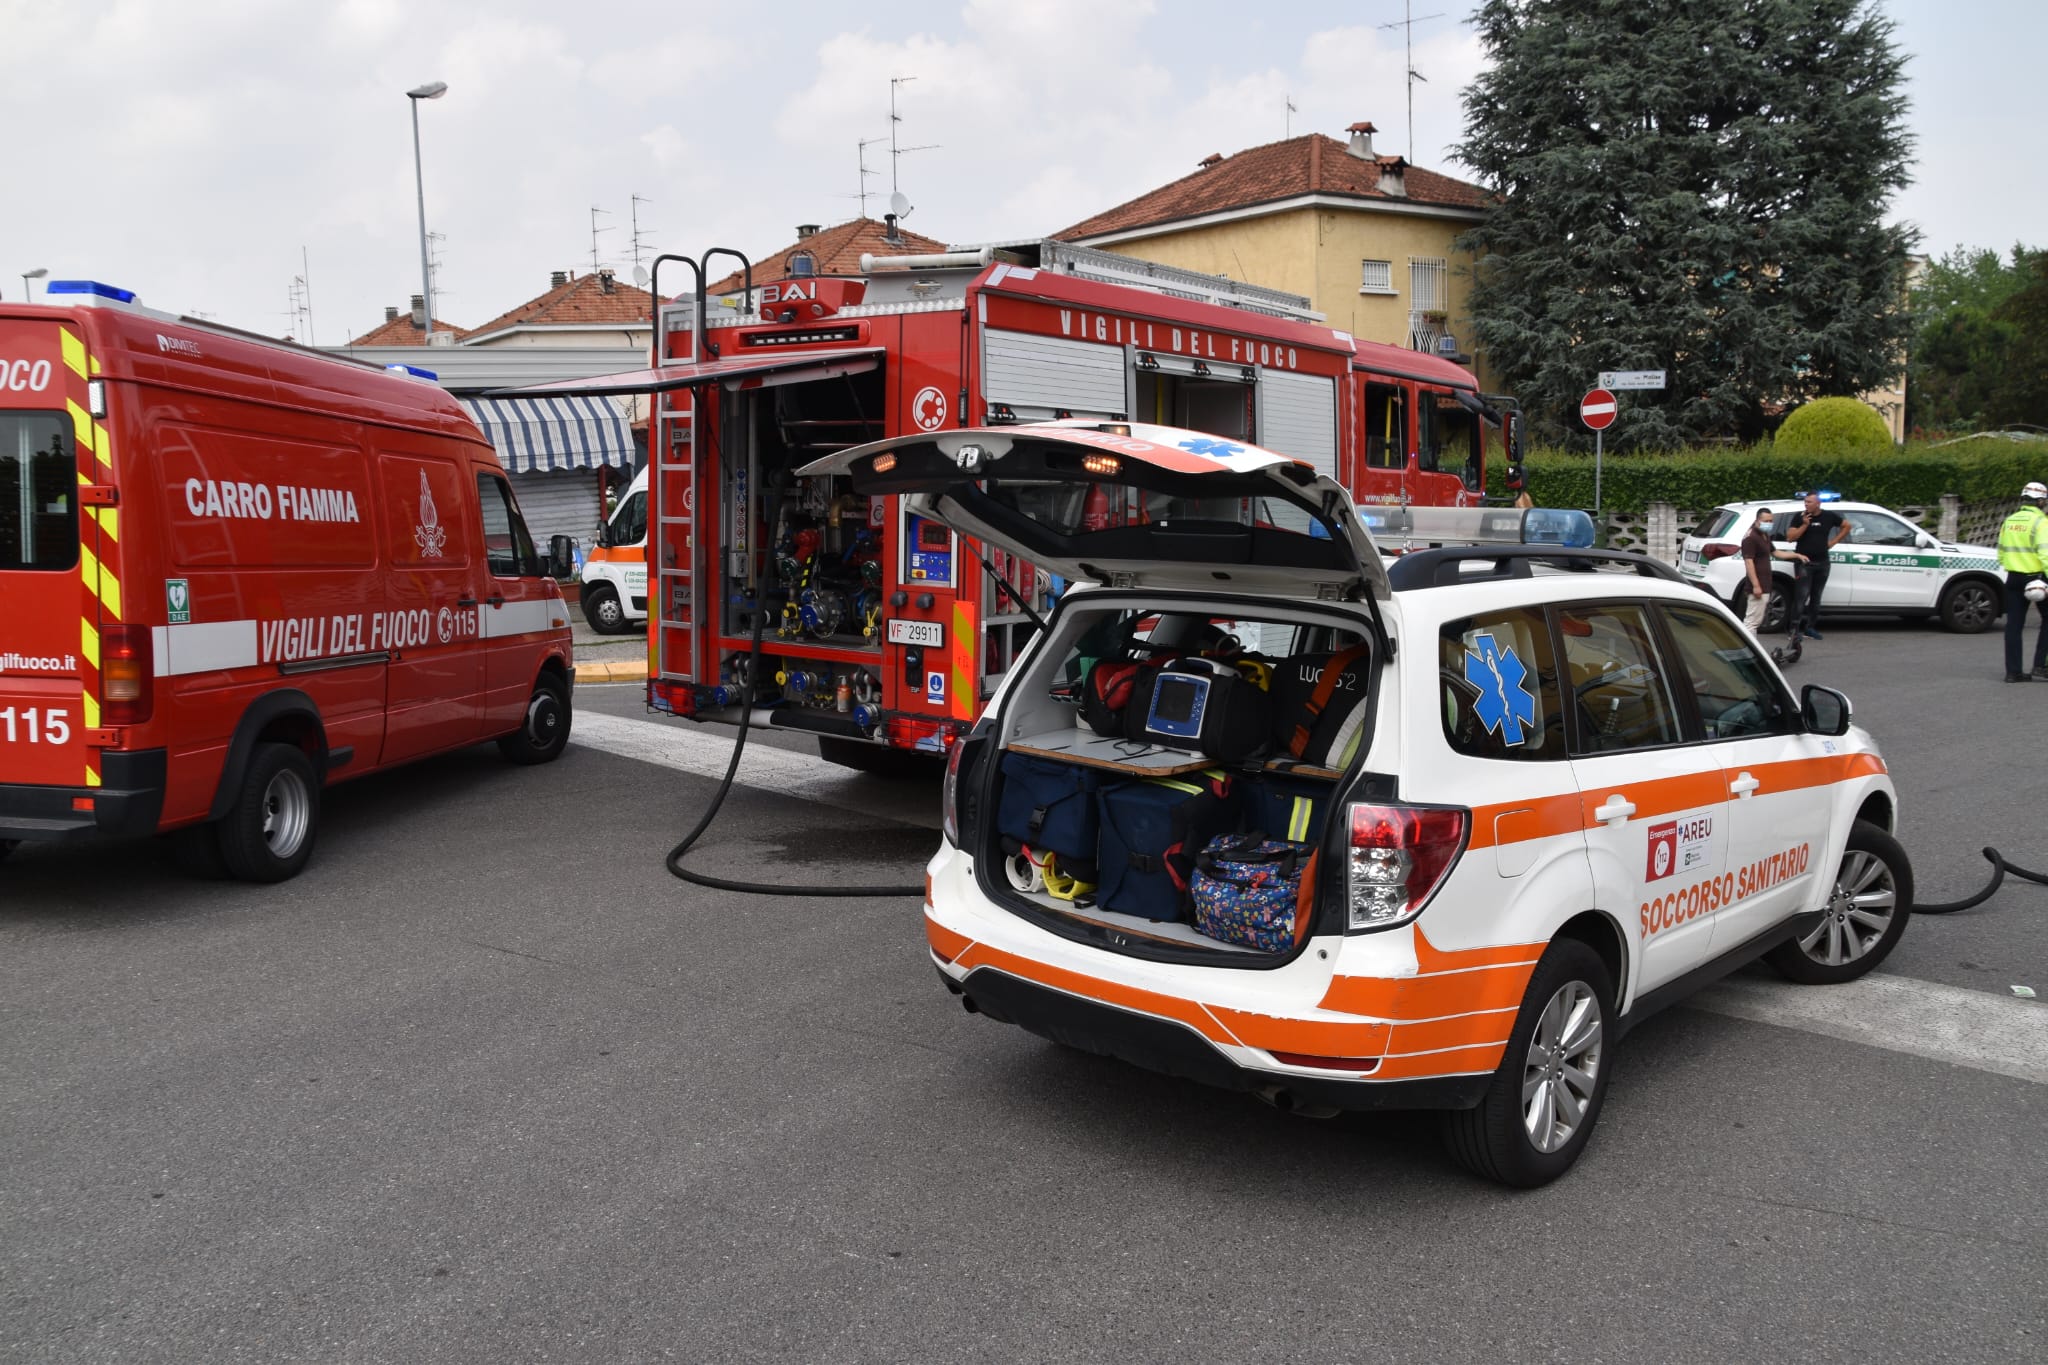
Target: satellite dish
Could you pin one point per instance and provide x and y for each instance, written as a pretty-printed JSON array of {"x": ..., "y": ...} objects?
[
  {"x": 640, "y": 276},
  {"x": 899, "y": 204}
]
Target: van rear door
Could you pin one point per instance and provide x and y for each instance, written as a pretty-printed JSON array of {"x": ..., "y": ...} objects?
[{"x": 42, "y": 605}]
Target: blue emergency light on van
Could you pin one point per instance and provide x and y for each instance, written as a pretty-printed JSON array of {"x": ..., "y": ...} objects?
[
  {"x": 415, "y": 371},
  {"x": 90, "y": 287}
]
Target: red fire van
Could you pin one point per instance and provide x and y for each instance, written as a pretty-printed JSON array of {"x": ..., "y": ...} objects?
[{"x": 234, "y": 570}]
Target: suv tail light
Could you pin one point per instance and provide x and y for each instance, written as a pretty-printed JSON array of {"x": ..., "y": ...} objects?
[
  {"x": 949, "y": 794},
  {"x": 1398, "y": 856},
  {"x": 1719, "y": 550},
  {"x": 127, "y": 675}
]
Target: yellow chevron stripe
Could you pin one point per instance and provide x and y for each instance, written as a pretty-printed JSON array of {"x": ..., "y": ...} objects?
[
  {"x": 89, "y": 642},
  {"x": 92, "y": 777},
  {"x": 103, "y": 447},
  {"x": 74, "y": 351},
  {"x": 91, "y": 706},
  {"x": 964, "y": 695},
  {"x": 95, "y": 360},
  {"x": 110, "y": 522},
  {"x": 110, "y": 592},
  {"x": 81, "y": 423}
]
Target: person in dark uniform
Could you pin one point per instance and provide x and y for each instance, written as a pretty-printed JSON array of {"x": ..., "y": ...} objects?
[{"x": 1813, "y": 532}]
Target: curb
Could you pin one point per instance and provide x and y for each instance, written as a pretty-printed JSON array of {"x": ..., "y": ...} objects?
[{"x": 617, "y": 670}]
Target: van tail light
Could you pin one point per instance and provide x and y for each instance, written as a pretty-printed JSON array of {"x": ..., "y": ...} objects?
[
  {"x": 1719, "y": 550},
  {"x": 1398, "y": 857},
  {"x": 127, "y": 675}
]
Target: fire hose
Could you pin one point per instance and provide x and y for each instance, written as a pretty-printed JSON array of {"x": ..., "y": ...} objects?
[{"x": 1999, "y": 868}]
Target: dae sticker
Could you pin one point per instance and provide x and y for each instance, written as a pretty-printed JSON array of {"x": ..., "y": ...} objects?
[
  {"x": 1504, "y": 704},
  {"x": 935, "y": 687},
  {"x": 178, "y": 600},
  {"x": 1679, "y": 846}
]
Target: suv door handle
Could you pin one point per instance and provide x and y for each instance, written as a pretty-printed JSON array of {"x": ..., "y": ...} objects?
[
  {"x": 465, "y": 601},
  {"x": 1743, "y": 785},
  {"x": 1618, "y": 808}
]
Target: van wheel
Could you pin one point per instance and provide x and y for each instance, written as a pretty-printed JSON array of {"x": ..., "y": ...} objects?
[
  {"x": 267, "y": 834},
  {"x": 603, "y": 610},
  {"x": 1969, "y": 607},
  {"x": 1540, "y": 1109},
  {"x": 1865, "y": 913},
  {"x": 544, "y": 731}
]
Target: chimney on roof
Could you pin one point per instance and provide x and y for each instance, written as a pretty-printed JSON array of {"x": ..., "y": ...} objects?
[
  {"x": 557, "y": 279},
  {"x": 1361, "y": 141},
  {"x": 804, "y": 230},
  {"x": 390, "y": 312},
  {"x": 604, "y": 280},
  {"x": 1393, "y": 173},
  {"x": 1213, "y": 159},
  {"x": 419, "y": 311}
]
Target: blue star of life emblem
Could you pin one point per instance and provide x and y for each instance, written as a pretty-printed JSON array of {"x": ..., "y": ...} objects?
[
  {"x": 1504, "y": 704},
  {"x": 1210, "y": 445}
]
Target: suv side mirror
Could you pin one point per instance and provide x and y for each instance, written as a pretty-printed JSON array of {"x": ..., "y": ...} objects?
[
  {"x": 604, "y": 535},
  {"x": 1927, "y": 541},
  {"x": 1825, "y": 711},
  {"x": 561, "y": 556}
]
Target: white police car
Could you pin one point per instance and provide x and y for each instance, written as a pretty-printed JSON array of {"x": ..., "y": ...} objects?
[
  {"x": 1886, "y": 566},
  {"x": 1467, "y": 817}
]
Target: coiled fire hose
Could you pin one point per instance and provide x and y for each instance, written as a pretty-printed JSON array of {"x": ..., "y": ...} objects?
[
  {"x": 674, "y": 861},
  {"x": 1999, "y": 868}
]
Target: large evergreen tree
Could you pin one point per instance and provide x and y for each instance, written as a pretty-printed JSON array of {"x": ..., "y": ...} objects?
[{"x": 1697, "y": 186}]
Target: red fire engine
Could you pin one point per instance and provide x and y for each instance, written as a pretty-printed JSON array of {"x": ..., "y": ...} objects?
[{"x": 881, "y": 628}]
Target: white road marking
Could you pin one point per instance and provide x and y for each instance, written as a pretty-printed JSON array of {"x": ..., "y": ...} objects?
[
  {"x": 1923, "y": 1018},
  {"x": 706, "y": 751}
]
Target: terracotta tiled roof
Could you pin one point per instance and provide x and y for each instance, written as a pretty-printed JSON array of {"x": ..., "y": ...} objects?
[
  {"x": 1311, "y": 164},
  {"x": 580, "y": 301},
  {"x": 838, "y": 249},
  {"x": 399, "y": 331}
]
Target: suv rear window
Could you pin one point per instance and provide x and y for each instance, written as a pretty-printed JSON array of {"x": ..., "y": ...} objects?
[
  {"x": 1499, "y": 680},
  {"x": 38, "y": 492},
  {"x": 1718, "y": 523}
]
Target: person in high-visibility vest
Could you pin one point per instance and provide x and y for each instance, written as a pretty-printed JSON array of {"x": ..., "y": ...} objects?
[{"x": 2023, "y": 554}]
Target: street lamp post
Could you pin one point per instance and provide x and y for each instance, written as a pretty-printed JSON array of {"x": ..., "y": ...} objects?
[
  {"x": 26, "y": 276},
  {"x": 432, "y": 90}
]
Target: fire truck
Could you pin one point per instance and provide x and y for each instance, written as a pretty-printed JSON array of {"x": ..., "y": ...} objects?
[{"x": 882, "y": 629}]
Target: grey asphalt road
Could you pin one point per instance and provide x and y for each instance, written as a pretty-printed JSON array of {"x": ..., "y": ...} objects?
[{"x": 485, "y": 1084}]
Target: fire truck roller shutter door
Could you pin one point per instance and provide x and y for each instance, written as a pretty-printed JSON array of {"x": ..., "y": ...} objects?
[
  {"x": 563, "y": 503},
  {"x": 1036, "y": 376}
]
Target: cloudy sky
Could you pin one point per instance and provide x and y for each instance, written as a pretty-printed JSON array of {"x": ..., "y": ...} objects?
[{"x": 192, "y": 149}]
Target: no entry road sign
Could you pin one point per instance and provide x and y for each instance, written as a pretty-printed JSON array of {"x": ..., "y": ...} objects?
[{"x": 1596, "y": 409}]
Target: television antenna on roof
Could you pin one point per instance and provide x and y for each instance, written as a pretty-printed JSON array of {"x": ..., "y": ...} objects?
[
  {"x": 862, "y": 192},
  {"x": 596, "y": 264},
  {"x": 896, "y": 153},
  {"x": 637, "y": 201},
  {"x": 1407, "y": 24}
]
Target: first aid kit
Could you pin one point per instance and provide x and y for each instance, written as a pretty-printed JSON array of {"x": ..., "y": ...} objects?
[
  {"x": 1048, "y": 807},
  {"x": 1151, "y": 831}
]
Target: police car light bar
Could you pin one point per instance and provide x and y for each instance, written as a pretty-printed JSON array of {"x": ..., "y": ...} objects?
[
  {"x": 1416, "y": 528},
  {"x": 90, "y": 288},
  {"x": 1823, "y": 495}
]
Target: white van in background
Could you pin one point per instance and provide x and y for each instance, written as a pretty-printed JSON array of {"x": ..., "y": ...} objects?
[{"x": 614, "y": 575}]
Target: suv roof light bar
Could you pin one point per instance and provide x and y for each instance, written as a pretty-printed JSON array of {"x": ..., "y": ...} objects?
[{"x": 1445, "y": 568}]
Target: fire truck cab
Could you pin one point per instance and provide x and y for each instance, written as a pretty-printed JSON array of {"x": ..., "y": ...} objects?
[{"x": 882, "y": 629}]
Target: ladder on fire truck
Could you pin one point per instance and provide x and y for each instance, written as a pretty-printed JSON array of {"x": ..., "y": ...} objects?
[{"x": 679, "y": 601}]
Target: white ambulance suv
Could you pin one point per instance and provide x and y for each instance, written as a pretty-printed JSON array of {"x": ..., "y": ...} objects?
[
  {"x": 614, "y": 577},
  {"x": 1885, "y": 566},
  {"x": 1455, "y": 825}
]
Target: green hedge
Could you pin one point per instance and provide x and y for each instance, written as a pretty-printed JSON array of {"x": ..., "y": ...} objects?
[{"x": 1695, "y": 480}]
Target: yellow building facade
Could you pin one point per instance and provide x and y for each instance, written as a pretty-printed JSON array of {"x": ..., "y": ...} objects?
[{"x": 1368, "y": 239}]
